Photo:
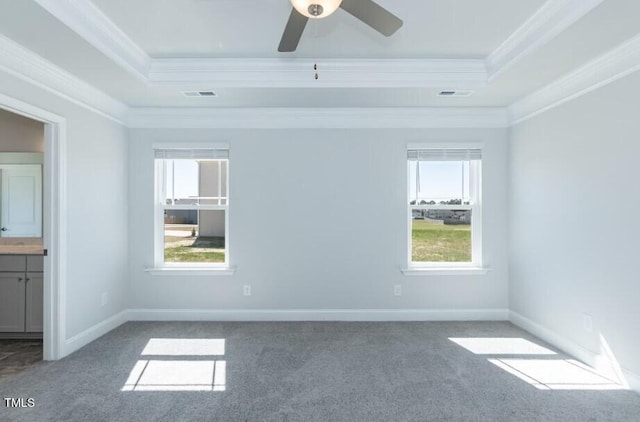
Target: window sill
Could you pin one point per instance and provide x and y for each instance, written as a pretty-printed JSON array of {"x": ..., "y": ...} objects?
[
  {"x": 203, "y": 271},
  {"x": 422, "y": 271}
]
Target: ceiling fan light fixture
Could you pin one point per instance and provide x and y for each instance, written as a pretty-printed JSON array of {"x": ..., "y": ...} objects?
[{"x": 316, "y": 9}]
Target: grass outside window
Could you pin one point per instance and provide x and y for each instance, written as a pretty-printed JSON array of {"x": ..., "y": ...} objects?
[
  {"x": 434, "y": 241},
  {"x": 183, "y": 245}
]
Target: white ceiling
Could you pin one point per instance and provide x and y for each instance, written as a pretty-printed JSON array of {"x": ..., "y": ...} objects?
[
  {"x": 230, "y": 31},
  {"x": 252, "y": 28}
]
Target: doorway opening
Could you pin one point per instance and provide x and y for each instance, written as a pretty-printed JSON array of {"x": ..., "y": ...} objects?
[
  {"x": 32, "y": 231},
  {"x": 21, "y": 242}
]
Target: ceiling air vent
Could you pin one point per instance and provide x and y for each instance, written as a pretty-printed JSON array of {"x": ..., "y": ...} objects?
[
  {"x": 455, "y": 93},
  {"x": 199, "y": 93}
]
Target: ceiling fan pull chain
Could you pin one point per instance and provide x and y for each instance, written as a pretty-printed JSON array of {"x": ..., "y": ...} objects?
[{"x": 315, "y": 40}]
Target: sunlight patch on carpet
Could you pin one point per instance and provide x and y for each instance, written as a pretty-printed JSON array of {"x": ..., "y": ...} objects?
[
  {"x": 501, "y": 346},
  {"x": 556, "y": 374}
]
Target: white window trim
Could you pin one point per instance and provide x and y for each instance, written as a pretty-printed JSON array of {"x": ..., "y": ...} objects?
[
  {"x": 191, "y": 270},
  {"x": 459, "y": 270},
  {"x": 195, "y": 269},
  {"x": 475, "y": 267}
]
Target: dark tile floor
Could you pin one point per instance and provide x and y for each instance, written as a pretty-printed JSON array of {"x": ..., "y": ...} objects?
[{"x": 18, "y": 355}]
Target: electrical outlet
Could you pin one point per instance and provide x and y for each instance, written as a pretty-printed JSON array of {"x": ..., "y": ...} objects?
[
  {"x": 587, "y": 323},
  {"x": 246, "y": 290},
  {"x": 397, "y": 290},
  {"x": 104, "y": 299}
]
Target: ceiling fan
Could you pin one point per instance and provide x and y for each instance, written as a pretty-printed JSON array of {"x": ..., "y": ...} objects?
[{"x": 367, "y": 11}]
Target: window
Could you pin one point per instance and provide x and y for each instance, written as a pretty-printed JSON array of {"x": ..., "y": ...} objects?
[
  {"x": 444, "y": 207},
  {"x": 192, "y": 205}
]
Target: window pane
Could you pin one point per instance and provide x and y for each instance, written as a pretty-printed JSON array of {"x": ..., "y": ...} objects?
[
  {"x": 186, "y": 181},
  {"x": 194, "y": 236},
  {"x": 213, "y": 182},
  {"x": 438, "y": 182},
  {"x": 441, "y": 236},
  {"x": 181, "y": 181}
]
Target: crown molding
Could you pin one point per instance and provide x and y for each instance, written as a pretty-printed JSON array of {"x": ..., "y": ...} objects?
[
  {"x": 317, "y": 118},
  {"x": 28, "y": 66},
  {"x": 88, "y": 21},
  {"x": 554, "y": 17},
  {"x": 611, "y": 66},
  {"x": 333, "y": 73},
  {"x": 94, "y": 26}
]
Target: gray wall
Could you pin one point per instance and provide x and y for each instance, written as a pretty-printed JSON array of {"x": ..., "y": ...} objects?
[
  {"x": 20, "y": 134},
  {"x": 574, "y": 230},
  {"x": 97, "y": 173},
  {"x": 318, "y": 221}
]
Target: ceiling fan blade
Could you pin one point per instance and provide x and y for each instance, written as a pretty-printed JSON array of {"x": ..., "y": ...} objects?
[
  {"x": 292, "y": 32},
  {"x": 373, "y": 15}
]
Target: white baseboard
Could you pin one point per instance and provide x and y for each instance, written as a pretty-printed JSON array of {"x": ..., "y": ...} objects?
[
  {"x": 375, "y": 315},
  {"x": 595, "y": 360},
  {"x": 100, "y": 329},
  {"x": 90, "y": 334},
  {"x": 567, "y": 346},
  {"x": 633, "y": 380},
  {"x": 319, "y": 315}
]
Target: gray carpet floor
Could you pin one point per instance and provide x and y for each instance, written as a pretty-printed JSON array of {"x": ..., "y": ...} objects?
[{"x": 315, "y": 371}]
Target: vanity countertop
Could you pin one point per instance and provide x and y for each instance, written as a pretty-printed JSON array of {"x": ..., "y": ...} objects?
[
  {"x": 21, "y": 246},
  {"x": 21, "y": 250}
]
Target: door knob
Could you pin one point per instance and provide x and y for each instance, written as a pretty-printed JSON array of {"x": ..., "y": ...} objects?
[{"x": 4, "y": 229}]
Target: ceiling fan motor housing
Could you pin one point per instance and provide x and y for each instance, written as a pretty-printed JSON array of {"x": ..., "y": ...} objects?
[
  {"x": 367, "y": 11},
  {"x": 315, "y": 9}
]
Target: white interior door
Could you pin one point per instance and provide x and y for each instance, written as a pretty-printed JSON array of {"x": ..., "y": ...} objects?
[{"x": 21, "y": 206}]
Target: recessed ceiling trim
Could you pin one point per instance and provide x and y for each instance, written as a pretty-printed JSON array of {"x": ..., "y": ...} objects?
[
  {"x": 327, "y": 118},
  {"x": 88, "y": 21},
  {"x": 548, "y": 22},
  {"x": 611, "y": 66},
  {"x": 28, "y": 66},
  {"x": 334, "y": 73},
  {"x": 553, "y": 18}
]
